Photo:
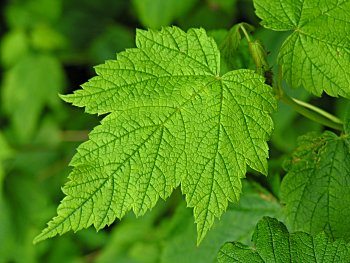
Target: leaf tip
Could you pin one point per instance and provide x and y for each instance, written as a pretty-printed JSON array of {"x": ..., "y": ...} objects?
[
  {"x": 201, "y": 233},
  {"x": 200, "y": 239},
  {"x": 39, "y": 238},
  {"x": 66, "y": 98}
]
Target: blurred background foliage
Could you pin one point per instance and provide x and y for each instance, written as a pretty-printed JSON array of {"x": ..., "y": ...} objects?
[{"x": 49, "y": 47}]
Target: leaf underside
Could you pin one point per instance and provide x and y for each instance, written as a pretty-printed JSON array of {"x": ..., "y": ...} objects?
[
  {"x": 316, "y": 189},
  {"x": 273, "y": 243},
  {"x": 172, "y": 120},
  {"x": 317, "y": 53}
]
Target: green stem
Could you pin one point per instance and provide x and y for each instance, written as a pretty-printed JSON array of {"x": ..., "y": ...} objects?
[
  {"x": 309, "y": 111},
  {"x": 313, "y": 113},
  {"x": 320, "y": 111},
  {"x": 245, "y": 32}
]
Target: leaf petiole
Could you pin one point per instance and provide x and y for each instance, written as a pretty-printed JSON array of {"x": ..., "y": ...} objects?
[
  {"x": 307, "y": 110},
  {"x": 313, "y": 113},
  {"x": 241, "y": 26}
]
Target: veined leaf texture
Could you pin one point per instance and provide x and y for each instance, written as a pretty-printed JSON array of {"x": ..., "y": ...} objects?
[{"x": 172, "y": 120}]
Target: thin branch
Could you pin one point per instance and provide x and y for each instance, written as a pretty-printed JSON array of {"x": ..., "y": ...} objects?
[
  {"x": 245, "y": 32},
  {"x": 307, "y": 110},
  {"x": 74, "y": 136}
]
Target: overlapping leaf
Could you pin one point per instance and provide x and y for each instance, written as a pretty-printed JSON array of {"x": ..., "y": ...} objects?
[
  {"x": 317, "y": 54},
  {"x": 273, "y": 243},
  {"x": 316, "y": 190},
  {"x": 237, "y": 223},
  {"x": 172, "y": 120}
]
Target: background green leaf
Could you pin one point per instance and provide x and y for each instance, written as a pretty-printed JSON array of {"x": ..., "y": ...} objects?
[
  {"x": 273, "y": 243},
  {"x": 25, "y": 95},
  {"x": 316, "y": 189},
  {"x": 300, "y": 54}
]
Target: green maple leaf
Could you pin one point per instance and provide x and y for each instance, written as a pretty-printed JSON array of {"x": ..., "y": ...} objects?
[
  {"x": 317, "y": 54},
  {"x": 273, "y": 243},
  {"x": 172, "y": 120},
  {"x": 316, "y": 189}
]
